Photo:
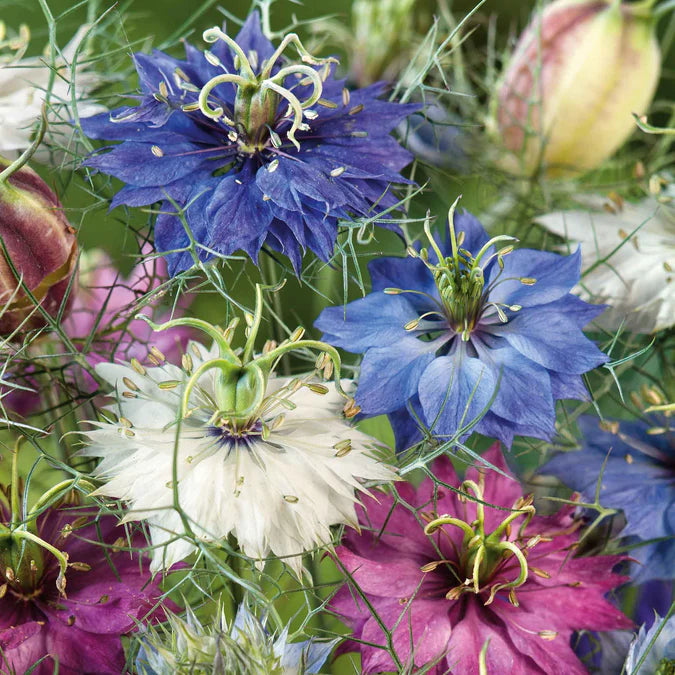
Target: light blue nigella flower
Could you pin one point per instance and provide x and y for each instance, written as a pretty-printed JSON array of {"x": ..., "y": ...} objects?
[
  {"x": 259, "y": 148},
  {"x": 639, "y": 478},
  {"x": 243, "y": 647},
  {"x": 653, "y": 651},
  {"x": 449, "y": 327}
]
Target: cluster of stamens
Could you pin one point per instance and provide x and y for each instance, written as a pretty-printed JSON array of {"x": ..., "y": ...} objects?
[
  {"x": 460, "y": 280},
  {"x": 259, "y": 95},
  {"x": 239, "y": 410},
  {"x": 22, "y": 550},
  {"x": 486, "y": 559}
]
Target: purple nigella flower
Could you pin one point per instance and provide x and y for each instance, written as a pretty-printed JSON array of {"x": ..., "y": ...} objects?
[
  {"x": 447, "y": 575},
  {"x": 448, "y": 329},
  {"x": 639, "y": 478},
  {"x": 73, "y": 619},
  {"x": 260, "y": 149}
]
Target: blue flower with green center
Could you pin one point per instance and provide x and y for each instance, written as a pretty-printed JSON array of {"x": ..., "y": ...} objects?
[
  {"x": 638, "y": 478},
  {"x": 464, "y": 328},
  {"x": 258, "y": 149}
]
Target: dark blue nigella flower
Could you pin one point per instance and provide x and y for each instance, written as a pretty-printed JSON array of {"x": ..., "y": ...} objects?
[
  {"x": 446, "y": 329},
  {"x": 261, "y": 150},
  {"x": 639, "y": 478}
]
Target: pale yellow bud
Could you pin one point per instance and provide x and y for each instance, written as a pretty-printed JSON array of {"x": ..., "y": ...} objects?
[{"x": 579, "y": 72}]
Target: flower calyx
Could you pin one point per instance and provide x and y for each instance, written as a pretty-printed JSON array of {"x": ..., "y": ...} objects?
[
  {"x": 486, "y": 558},
  {"x": 260, "y": 90}
]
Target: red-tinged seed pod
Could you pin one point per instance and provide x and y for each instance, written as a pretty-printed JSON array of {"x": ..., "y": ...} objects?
[
  {"x": 578, "y": 73},
  {"x": 41, "y": 246}
]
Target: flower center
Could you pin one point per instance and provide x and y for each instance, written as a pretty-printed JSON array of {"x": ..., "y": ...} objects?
[
  {"x": 230, "y": 435},
  {"x": 254, "y": 120},
  {"x": 460, "y": 281},
  {"x": 489, "y": 562},
  {"x": 460, "y": 278},
  {"x": 239, "y": 407}
]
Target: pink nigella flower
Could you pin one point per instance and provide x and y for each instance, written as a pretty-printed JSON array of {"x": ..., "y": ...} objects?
[
  {"x": 105, "y": 301},
  {"x": 102, "y": 305},
  {"x": 76, "y": 619},
  {"x": 447, "y": 576}
]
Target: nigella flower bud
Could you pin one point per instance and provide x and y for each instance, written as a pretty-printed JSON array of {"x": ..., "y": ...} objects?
[
  {"x": 40, "y": 250},
  {"x": 579, "y": 71}
]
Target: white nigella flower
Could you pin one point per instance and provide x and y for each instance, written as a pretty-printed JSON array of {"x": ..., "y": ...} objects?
[
  {"x": 23, "y": 86},
  {"x": 628, "y": 253},
  {"x": 271, "y": 460}
]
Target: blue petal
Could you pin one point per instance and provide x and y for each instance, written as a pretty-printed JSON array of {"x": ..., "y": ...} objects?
[
  {"x": 251, "y": 38},
  {"x": 237, "y": 214},
  {"x": 556, "y": 275},
  {"x": 376, "y": 320},
  {"x": 655, "y": 562},
  {"x": 134, "y": 163},
  {"x": 454, "y": 390},
  {"x": 406, "y": 274},
  {"x": 292, "y": 181},
  {"x": 390, "y": 375},
  {"x": 406, "y": 428},
  {"x": 551, "y": 339},
  {"x": 519, "y": 379},
  {"x": 565, "y": 386}
]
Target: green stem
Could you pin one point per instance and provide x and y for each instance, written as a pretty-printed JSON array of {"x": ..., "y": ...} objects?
[
  {"x": 270, "y": 357},
  {"x": 62, "y": 486},
  {"x": 15, "y": 517},
  {"x": 59, "y": 555},
  {"x": 25, "y": 156},
  {"x": 223, "y": 345},
  {"x": 449, "y": 520}
]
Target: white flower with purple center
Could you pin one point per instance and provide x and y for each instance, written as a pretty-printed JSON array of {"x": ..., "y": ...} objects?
[{"x": 221, "y": 446}]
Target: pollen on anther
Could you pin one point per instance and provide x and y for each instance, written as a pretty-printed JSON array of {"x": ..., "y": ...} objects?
[
  {"x": 338, "y": 172},
  {"x": 157, "y": 151},
  {"x": 157, "y": 354},
  {"x": 130, "y": 383},
  {"x": 356, "y": 109}
]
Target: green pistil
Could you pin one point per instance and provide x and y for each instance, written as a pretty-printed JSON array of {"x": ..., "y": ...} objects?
[
  {"x": 460, "y": 278},
  {"x": 240, "y": 399},
  {"x": 258, "y": 96},
  {"x": 483, "y": 554}
]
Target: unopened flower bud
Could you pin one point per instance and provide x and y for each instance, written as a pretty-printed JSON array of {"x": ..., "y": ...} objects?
[
  {"x": 579, "y": 71},
  {"x": 40, "y": 245}
]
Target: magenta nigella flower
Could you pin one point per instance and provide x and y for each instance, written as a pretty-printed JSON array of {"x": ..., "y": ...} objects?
[
  {"x": 104, "y": 303},
  {"x": 454, "y": 575},
  {"x": 74, "y": 618}
]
